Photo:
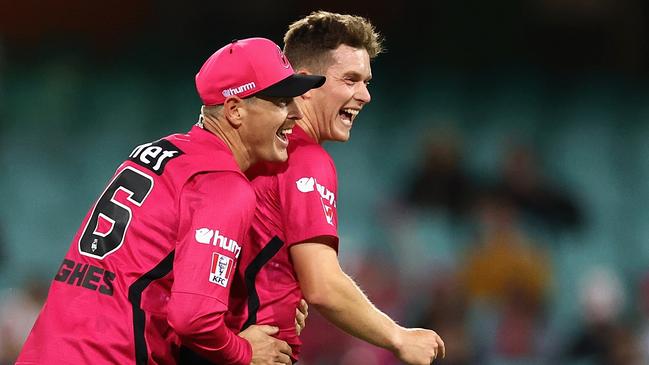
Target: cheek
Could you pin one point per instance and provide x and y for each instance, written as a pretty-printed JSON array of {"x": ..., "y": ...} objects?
[
  {"x": 260, "y": 130},
  {"x": 265, "y": 122},
  {"x": 272, "y": 123}
]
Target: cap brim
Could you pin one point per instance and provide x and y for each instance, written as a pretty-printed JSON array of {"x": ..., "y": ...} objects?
[{"x": 294, "y": 85}]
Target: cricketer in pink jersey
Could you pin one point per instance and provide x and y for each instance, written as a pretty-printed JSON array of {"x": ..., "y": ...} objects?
[
  {"x": 148, "y": 275},
  {"x": 294, "y": 239},
  {"x": 306, "y": 187}
]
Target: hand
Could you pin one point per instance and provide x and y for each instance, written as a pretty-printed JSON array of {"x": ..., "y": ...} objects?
[
  {"x": 266, "y": 350},
  {"x": 301, "y": 312},
  {"x": 418, "y": 346}
]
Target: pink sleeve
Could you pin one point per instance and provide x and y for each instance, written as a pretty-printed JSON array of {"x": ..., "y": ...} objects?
[
  {"x": 308, "y": 190},
  {"x": 205, "y": 332},
  {"x": 215, "y": 213}
]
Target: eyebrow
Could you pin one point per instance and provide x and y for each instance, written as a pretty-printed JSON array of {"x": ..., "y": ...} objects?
[{"x": 356, "y": 75}]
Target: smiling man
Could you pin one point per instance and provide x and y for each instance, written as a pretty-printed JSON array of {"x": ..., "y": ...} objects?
[
  {"x": 149, "y": 272},
  {"x": 294, "y": 239}
]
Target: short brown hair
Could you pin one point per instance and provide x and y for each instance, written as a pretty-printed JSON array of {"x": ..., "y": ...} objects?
[{"x": 308, "y": 40}]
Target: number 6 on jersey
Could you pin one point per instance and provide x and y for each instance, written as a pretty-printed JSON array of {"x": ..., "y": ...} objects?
[{"x": 104, "y": 233}]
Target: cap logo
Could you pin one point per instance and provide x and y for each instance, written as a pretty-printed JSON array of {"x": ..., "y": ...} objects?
[
  {"x": 234, "y": 91},
  {"x": 282, "y": 58}
]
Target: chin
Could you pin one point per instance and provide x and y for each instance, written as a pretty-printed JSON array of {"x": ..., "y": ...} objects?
[
  {"x": 341, "y": 136},
  {"x": 280, "y": 156},
  {"x": 340, "y": 132}
]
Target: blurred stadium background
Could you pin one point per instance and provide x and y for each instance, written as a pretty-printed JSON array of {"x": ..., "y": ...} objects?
[{"x": 495, "y": 190}]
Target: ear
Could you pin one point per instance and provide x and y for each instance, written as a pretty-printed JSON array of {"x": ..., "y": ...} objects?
[
  {"x": 309, "y": 93},
  {"x": 234, "y": 111}
]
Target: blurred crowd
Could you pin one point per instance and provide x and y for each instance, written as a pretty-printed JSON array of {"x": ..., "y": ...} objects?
[
  {"x": 19, "y": 308},
  {"x": 491, "y": 292}
]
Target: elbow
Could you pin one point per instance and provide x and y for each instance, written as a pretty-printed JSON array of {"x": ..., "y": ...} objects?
[
  {"x": 188, "y": 316},
  {"x": 181, "y": 322},
  {"x": 327, "y": 292},
  {"x": 320, "y": 297},
  {"x": 314, "y": 298}
]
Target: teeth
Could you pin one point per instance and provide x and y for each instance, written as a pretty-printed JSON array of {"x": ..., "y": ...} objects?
[
  {"x": 353, "y": 112},
  {"x": 282, "y": 133}
]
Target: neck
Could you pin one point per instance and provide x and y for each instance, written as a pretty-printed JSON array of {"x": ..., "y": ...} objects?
[
  {"x": 230, "y": 137},
  {"x": 309, "y": 122}
]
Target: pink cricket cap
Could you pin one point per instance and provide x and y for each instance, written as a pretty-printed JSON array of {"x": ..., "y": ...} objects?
[{"x": 248, "y": 67}]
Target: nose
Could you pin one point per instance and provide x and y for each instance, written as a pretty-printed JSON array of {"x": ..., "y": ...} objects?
[
  {"x": 362, "y": 93},
  {"x": 294, "y": 112}
]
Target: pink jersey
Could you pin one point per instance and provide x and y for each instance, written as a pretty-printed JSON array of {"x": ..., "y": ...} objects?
[
  {"x": 160, "y": 243},
  {"x": 296, "y": 201}
]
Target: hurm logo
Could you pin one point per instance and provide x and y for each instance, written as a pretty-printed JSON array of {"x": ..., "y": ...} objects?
[
  {"x": 237, "y": 90},
  {"x": 213, "y": 237}
]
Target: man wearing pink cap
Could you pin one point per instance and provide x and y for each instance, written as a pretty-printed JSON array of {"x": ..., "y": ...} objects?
[
  {"x": 294, "y": 241},
  {"x": 150, "y": 269}
]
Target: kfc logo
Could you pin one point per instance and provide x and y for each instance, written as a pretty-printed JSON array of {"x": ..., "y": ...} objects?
[{"x": 221, "y": 269}]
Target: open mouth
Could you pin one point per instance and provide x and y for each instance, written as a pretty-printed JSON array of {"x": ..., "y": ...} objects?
[
  {"x": 283, "y": 133},
  {"x": 348, "y": 114}
]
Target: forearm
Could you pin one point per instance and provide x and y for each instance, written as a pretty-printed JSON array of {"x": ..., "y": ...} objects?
[
  {"x": 334, "y": 294},
  {"x": 345, "y": 305},
  {"x": 205, "y": 332}
]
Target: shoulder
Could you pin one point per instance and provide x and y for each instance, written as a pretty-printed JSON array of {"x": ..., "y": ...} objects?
[
  {"x": 225, "y": 186},
  {"x": 310, "y": 157},
  {"x": 203, "y": 151},
  {"x": 184, "y": 154},
  {"x": 309, "y": 168}
]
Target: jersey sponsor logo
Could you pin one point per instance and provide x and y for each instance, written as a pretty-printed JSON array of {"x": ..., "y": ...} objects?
[
  {"x": 305, "y": 184},
  {"x": 329, "y": 213},
  {"x": 327, "y": 198},
  {"x": 221, "y": 269},
  {"x": 208, "y": 236},
  {"x": 155, "y": 155},
  {"x": 204, "y": 235}
]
